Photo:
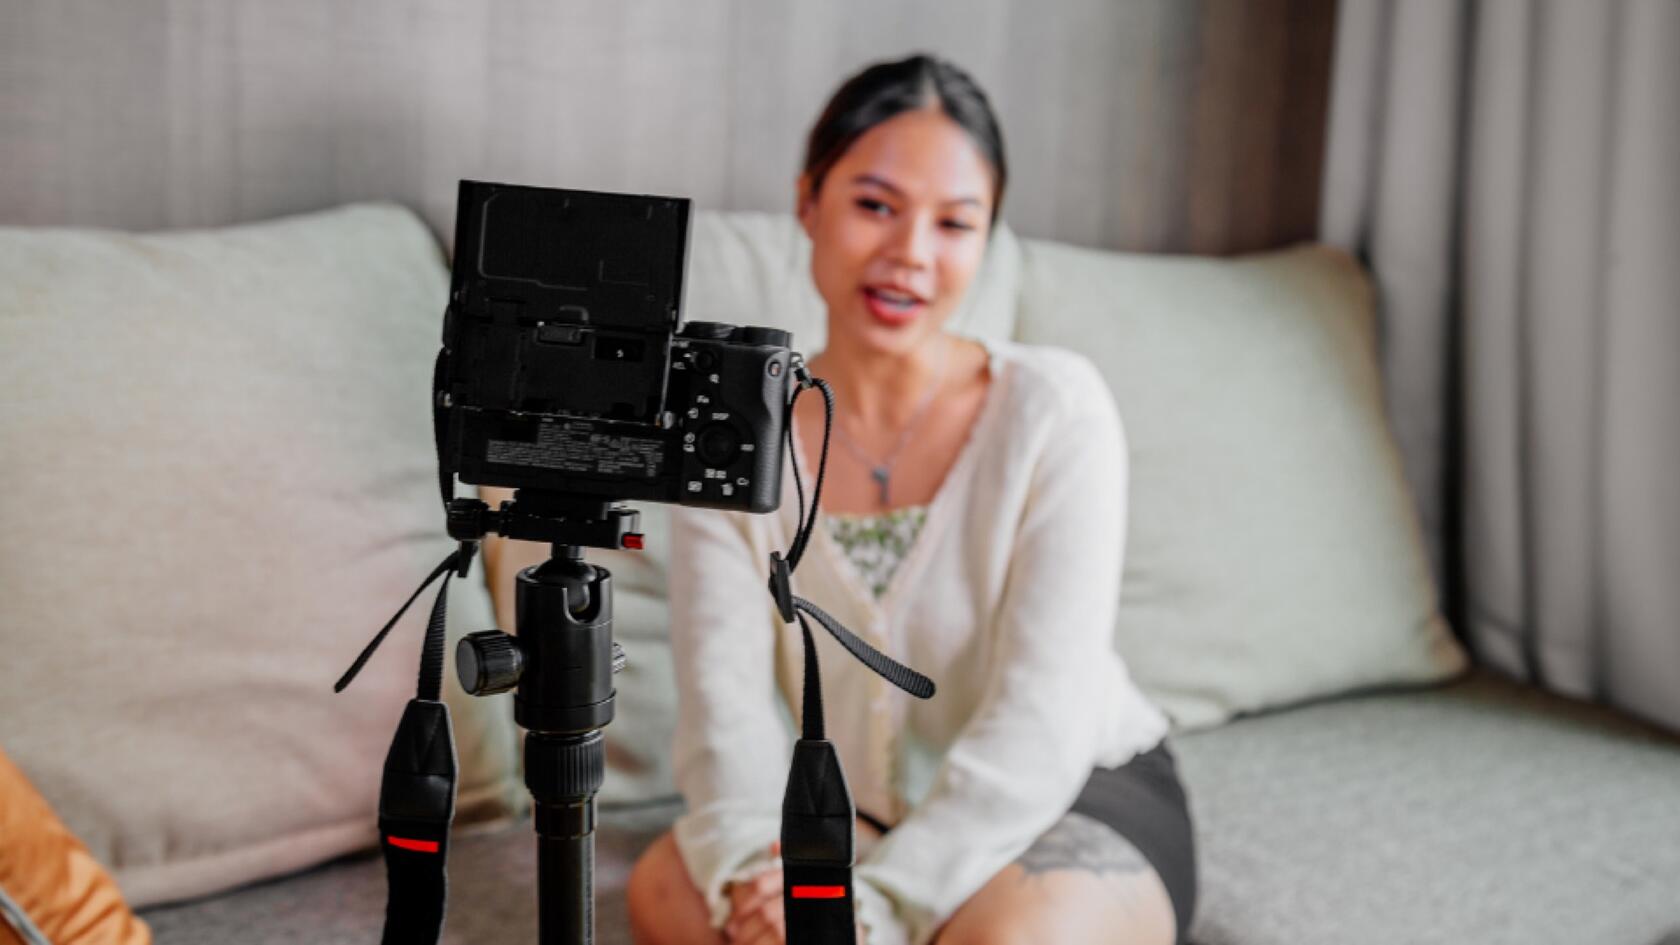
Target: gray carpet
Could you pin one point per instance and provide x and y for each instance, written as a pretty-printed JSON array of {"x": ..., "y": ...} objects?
[{"x": 1480, "y": 812}]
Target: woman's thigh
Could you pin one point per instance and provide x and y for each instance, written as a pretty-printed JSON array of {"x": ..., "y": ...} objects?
[{"x": 1079, "y": 882}]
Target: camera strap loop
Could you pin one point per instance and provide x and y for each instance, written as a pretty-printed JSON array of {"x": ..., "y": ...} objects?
[
  {"x": 790, "y": 606},
  {"x": 417, "y": 789},
  {"x": 817, "y": 812}
]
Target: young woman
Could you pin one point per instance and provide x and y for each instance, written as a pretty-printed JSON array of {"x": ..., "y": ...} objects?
[{"x": 975, "y": 514}]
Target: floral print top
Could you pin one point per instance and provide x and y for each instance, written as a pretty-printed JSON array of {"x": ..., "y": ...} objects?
[{"x": 876, "y": 544}]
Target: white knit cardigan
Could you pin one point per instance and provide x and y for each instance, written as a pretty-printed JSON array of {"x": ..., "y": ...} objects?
[{"x": 1006, "y": 600}]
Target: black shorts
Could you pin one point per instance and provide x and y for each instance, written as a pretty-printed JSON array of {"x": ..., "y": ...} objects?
[{"x": 1143, "y": 801}]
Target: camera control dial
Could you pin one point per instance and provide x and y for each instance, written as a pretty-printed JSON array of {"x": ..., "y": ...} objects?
[{"x": 718, "y": 444}]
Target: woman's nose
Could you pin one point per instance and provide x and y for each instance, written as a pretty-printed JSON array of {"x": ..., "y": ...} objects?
[{"x": 912, "y": 242}]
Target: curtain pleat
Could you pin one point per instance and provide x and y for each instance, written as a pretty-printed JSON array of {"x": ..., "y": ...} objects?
[{"x": 1513, "y": 187}]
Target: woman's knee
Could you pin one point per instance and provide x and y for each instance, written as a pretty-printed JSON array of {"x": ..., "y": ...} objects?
[{"x": 665, "y": 907}]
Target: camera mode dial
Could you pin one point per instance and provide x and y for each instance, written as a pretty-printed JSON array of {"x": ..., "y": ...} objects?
[{"x": 759, "y": 335}]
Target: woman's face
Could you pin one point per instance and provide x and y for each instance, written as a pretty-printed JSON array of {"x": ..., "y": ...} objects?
[{"x": 898, "y": 230}]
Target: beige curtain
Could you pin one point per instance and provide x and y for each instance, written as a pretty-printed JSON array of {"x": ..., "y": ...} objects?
[
  {"x": 1147, "y": 125},
  {"x": 1510, "y": 171}
]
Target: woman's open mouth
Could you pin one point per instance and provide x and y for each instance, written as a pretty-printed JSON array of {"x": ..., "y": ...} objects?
[{"x": 892, "y": 306}]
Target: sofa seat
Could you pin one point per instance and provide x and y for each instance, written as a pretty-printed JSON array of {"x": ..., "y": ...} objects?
[
  {"x": 1481, "y": 811},
  {"x": 492, "y": 893}
]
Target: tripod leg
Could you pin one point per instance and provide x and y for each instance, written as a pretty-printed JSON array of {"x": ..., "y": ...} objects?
[{"x": 564, "y": 772}]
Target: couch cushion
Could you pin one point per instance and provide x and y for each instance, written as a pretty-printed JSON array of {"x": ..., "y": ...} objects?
[
  {"x": 1479, "y": 812},
  {"x": 220, "y": 481},
  {"x": 1273, "y": 552},
  {"x": 743, "y": 268}
]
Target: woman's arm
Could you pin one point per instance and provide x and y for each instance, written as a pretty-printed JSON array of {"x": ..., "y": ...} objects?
[
  {"x": 732, "y": 746},
  {"x": 1036, "y": 734}
]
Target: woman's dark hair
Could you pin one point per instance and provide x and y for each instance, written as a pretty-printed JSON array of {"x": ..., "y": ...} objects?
[{"x": 887, "y": 89}]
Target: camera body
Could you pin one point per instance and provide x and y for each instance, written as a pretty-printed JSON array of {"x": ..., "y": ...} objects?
[{"x": 564, "y": 368}]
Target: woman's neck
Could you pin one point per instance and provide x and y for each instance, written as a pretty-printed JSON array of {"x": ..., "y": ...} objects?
[{"x": 877, "y": 392}]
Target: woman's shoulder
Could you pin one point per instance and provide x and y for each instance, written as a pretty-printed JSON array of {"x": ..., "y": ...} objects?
[{"x": 1046, "y": 378}]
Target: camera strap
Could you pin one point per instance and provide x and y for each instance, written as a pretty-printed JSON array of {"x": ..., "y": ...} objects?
[
  {"x": 417, "y": 789},
  {"x": 818, "y": 831}
]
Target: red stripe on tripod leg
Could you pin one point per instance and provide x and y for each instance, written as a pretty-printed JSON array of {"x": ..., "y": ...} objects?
[
  {"x": 419, "y": 846},
  {"x": 819, "y": 892}
]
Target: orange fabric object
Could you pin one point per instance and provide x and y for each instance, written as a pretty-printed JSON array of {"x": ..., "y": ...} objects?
[{"x": 47, "y": 872}]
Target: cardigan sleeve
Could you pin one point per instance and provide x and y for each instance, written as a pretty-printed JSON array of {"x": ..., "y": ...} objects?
[
  {"x": 732, "y": 747},
  {"x": 1023, "y": 756}
]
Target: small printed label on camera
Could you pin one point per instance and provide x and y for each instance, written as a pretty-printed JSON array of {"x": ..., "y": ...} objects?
[{"x": 580, "y": 448}]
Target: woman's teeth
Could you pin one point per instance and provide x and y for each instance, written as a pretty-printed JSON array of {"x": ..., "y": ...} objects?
[{"x": 894, "y": 299}]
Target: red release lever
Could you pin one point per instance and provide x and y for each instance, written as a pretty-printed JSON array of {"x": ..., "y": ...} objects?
[{"x": 633, "y": 541}]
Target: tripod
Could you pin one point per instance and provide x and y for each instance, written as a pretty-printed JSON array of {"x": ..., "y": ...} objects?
[{"x": 561, "y": 659}]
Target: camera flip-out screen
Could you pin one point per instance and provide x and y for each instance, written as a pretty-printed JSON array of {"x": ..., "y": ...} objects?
[{"x": 567, "y": 368}]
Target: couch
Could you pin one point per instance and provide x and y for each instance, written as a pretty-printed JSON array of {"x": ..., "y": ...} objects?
[{"x": 238, "y": 417}]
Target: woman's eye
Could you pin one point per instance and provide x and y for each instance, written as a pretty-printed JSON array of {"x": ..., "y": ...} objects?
[
  {"x": 957, "y": 225},
  {"x": 871, "y": 205}
]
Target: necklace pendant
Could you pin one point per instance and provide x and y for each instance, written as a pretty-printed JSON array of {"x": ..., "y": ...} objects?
[{"x": 880, "y": 474}]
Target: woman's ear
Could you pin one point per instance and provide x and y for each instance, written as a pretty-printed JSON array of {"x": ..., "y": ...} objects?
[{"x": 805, "y": 202}]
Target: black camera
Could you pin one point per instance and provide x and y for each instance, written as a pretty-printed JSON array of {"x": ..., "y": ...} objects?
[{"x": 564, "y": 368}]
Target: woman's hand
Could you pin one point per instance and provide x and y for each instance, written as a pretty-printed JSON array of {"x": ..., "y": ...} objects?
[
  {"x": 755, "y": 905},
  {"x": 755, "y": 908}
]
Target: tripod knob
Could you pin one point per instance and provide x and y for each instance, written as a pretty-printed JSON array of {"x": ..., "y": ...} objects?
[{"x": 488, "y": 662}]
